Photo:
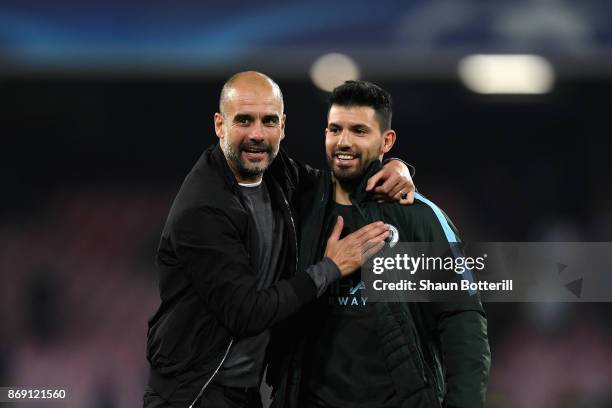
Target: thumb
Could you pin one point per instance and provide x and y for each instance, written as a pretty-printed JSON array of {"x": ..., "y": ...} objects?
[
  {"x": 335, "y": 235},
  {"x": 372, "y": 181}
]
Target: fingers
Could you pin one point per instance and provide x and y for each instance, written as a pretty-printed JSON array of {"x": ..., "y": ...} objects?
[
  {"x": 390, "y": 182},
  {"x": 402, "y": 189},
  {"x": 397, "y": 190},
  {"x": 370, "y": 231},
  {"x": 405, "y": 186},
  {"x": 363, "y": 230},
  {"x": 390, "y": 189},
  {"x": 409, "y": 190},
  {"x": 372, "y": 181},
  {"x": 410, "y": 187},
  {"x": 366, "y": 246},
  {"x": 373, "y": 250},
  {"x": 337, "y": 231},
  {"x": 383, "y": 236},
  {"x": 408, "y": 200},
  {"x": 375, "y": 236}
]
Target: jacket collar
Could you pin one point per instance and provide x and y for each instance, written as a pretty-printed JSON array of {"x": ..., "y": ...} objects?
[
  {"x": 221, "y": 162},
  {"x": 359, "y": 194}
]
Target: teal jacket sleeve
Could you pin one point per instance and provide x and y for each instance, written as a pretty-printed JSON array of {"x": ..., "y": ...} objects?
[{"x": 461, "y": 327}]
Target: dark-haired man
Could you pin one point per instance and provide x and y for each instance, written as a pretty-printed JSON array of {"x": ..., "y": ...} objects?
[
  {"x": 349, "y": 353},
  {"x": 228, "y": 256}
]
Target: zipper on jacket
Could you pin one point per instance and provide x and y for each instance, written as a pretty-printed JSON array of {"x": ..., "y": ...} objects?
[
  {"x": 429, "y": 378},
  {"x": 213, "y": 374},
  {"x": 294, "y": 231}
]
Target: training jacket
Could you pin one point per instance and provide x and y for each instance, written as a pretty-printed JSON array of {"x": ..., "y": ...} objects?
[{"x": 437, "y": 353}]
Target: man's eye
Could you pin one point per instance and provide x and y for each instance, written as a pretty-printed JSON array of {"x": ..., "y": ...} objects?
[
  {"x": 270, "y": 122},
  {"x": 242, "y": 121}
]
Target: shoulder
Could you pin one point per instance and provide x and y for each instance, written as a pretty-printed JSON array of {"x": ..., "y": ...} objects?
[
  {"x": 422, "y": 210},
  {"x": 427, "y": 221},
  {"x": 205, "y": 194}
]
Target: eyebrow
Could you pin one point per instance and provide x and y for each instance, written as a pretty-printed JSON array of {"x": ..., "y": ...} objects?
[
  {"x": 273, "y": 118},
  {"x": 357, "y": 126},
  {"x": 243, "y": 116},
  {"x": 247, "y": 116}
]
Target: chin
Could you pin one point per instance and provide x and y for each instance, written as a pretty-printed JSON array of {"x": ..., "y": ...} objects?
[
  {"x": 258, "y": 169},
  {"x": 346, "y": 176}
]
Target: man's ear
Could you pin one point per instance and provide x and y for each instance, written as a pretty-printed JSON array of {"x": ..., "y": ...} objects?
[
  {"x": 219, "y": 128},
  {"x": 389, "y": 140},
  {"x": 282, "y": 126}
]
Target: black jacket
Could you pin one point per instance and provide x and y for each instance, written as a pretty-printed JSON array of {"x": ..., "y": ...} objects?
[
  {"x": 437, "y": 353},
  {"x": 208, "y": 284}
]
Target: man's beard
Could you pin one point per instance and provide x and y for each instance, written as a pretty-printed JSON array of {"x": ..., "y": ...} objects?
[
  {"x": 242, "y": 166},
  {"x": 351, "y": 178}
]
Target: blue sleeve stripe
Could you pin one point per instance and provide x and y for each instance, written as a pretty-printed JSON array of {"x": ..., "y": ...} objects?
[{"x": 449, "y": 233}]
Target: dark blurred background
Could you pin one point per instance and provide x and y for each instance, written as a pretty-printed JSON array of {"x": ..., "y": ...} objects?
[{"x": 105, "y": 106}]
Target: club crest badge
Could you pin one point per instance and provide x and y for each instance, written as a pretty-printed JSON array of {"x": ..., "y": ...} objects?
[{"x": 393, "y": 236}]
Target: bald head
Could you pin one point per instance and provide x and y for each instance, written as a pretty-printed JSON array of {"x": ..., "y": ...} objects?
[
  {"x": 250, "y": 124},
  {"x": 249, "y": 81}
]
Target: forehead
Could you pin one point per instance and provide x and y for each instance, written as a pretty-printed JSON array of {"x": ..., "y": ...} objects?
[
  {"x": 253, "y": 100},
  {"x": 351, "y": 115}
]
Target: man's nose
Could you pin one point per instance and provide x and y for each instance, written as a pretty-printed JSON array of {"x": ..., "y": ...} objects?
[
  {"x": 257, "y": 132},
  {"x": 344, "y": 139}
]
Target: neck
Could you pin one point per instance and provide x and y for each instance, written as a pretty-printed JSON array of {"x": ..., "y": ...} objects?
[{"x": 342, "y": 192}]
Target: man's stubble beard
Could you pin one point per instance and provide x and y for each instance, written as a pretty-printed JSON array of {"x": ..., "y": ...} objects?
[
  {"x": 347, "y": 181},
  {"x": 235, "y": 160},
  {"x": 350, "y": 181}
]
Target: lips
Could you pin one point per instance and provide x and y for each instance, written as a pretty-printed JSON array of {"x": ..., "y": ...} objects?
[
  {"x": 345, "y": 158},
  {"x": 255, "y": 153},
  {"x": 255, "y": 149}
]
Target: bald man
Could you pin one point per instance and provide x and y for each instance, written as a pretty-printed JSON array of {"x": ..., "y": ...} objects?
[{"x": 228, "y": 255}]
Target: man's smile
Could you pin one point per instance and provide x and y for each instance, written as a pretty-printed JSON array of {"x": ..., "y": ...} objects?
[
  {"x": 255, "y": 153},
  {"x": 345, "y": 159}
]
